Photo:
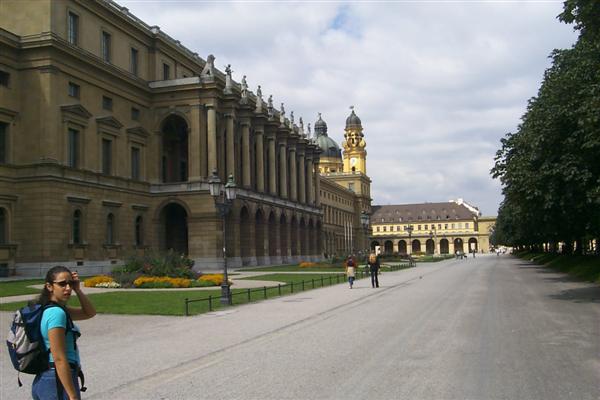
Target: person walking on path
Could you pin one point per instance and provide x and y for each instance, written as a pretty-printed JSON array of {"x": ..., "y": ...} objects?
[
  {"x": 374, "y": 270},
  {"x": 60, "y": 335},
  {"x": 350, "y": 270}
]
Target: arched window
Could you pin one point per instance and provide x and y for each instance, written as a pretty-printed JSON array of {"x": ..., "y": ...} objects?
[
  {"x": 3, "y": 227},
  {"x": 76, "y": 227},
  {"x": 110, "y": 225},
  {"x": 139, "y": 228}
]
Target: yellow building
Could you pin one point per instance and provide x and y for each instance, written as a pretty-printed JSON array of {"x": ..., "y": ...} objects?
[
  {"x": 430, "y": 228},
  {"x": 345, "y": 189}
]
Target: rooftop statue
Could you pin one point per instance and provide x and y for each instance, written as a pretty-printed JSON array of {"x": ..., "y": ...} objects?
[
  {"x": 244, "y": 87},
  {"x": 270, "y": 106},
  {"x": 228, "y": 80},
  {"x": 259, "y": 100},
  {"x": 282, "y": 115},
  {"x": 208, "y": 70}
]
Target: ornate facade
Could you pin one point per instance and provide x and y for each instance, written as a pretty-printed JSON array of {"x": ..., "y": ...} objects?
[
  {"x": 345, "y": 188},
  {"x": 430, "y": 228},
  {"x": 109, "y": 131}
]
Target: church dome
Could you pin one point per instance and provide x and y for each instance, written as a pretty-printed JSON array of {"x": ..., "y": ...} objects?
[
  {"x": 328, "y": 146},
  {"x": 320, "y": 127},
  {"x": 353, "y": 121}
]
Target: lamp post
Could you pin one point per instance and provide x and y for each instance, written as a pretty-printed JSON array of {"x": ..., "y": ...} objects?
[
  {"x": 433, "y": 236},
  {"x": 409, "y": 229},
  {"x": 364, "y": 221},
  {"x": 223, "y": 197}
]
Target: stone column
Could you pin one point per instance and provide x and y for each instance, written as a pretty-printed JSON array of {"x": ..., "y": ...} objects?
[
  {"x": 272, "y": 171},
  {"x": 309, "y": 180},
  {"x": 246, "y": 162},
  {"x": 260, "y": 160},
  {"x": 293, "y": 175},
  {"x": 283, "y": 170},
  {"x": 301, "y": 178},
  {"x": 194, "y": 173},
  {"x": 212, "y": 138},
  {"x": 230, "y": 136},
  {"x": 317, "y": 184}
]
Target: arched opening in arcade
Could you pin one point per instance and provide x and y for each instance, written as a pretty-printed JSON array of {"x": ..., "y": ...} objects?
[
  {"x": 416, "y": 246},
  {"x": 375, "y": 246},
  {"x": 429, "y": 247},
  {"x": 272, "y": 235},
  {"x": 294, "y": 236},
  {"x": 174, "y": 156},
  {"x": 283, "y": 238},
  {"x": 245, "y": 237},
  {"x": 402, "y": 247},
  {"x": 388, "y": 247},
  {"x": 174, "y": 228},
  {"x": 473, "y": 245},
  {"x": 458, "y": 245},
  {"x": 259, "y": 223},
  {"x": 444, "y": 246}
]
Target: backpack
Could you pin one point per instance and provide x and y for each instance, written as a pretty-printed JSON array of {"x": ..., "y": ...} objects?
[{"x": 25, "y": 343}]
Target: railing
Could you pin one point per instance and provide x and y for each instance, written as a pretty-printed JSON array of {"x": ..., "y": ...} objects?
[{"x": 265, "y": 292}]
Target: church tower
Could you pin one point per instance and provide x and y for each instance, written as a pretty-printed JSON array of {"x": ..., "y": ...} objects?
[{"x": 355, "y": 154}]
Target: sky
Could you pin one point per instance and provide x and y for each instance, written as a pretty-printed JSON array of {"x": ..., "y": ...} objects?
[{"x": 436, "y": 84}]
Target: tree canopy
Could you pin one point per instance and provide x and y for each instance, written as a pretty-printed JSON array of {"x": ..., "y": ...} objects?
[{"x": 550, "y": 167}]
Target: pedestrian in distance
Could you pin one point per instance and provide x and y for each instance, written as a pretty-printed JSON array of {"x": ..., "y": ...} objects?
[
  {"x": 59, "y": 334},
  {"x": 374, "y": 270},
  {"x": 350, "y": 270}
]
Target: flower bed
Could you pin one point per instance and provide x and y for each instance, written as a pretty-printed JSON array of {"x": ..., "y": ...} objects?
[
  {"x": 307, "y": 265},
  {"x": 100, "y": 281}
]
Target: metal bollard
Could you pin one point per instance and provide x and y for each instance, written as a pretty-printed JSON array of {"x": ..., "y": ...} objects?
[
  {"x": 186, "y": 308},
  {"x": 265, "y": 291},
  {"x": 210, "y": 303},
  {"x": 248, "y": 295},
  {"x": 279, "y": 289}
]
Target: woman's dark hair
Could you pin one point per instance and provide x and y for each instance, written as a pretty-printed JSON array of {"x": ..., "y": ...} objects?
[{"x": 44, "y": 297}]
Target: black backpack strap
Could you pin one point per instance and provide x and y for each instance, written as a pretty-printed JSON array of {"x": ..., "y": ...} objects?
[{"x": 60, "y": 390}]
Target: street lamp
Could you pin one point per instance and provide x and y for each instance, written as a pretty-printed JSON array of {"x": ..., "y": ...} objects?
[
  {"x": 223, "y": 197},
  {"x": 364, "y": 221},
  {"x": 409, "y": 228},
  {"x": 433, "y": 234}
]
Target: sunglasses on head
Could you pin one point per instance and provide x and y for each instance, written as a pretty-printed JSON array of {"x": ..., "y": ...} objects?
[{"x": 64, "y": 283}]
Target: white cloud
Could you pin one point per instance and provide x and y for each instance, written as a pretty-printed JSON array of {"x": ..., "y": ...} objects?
[{"x": 436, "y": 84}]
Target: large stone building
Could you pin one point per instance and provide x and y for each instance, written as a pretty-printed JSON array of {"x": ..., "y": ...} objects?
[
  {"x": 430, "y": 228},
  {"x": 110, "y": 130}
]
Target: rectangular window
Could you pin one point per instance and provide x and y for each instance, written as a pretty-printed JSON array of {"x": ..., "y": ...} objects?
[
  {"x": 134, "y": 61},
  {"x": 135, "y": 163},
  {"x": 377, "y": 229},
  {"x": 418, "y": 227},
  {"x": 166, "y": 72},
  {"x": 107, "y": 103},
  {"x": 445, "y": 226},
  {"x": 73, "y": 29},
  {"x": 73, "y": 156},
  {"x": 385, "y": 228},
  {"x": 106, "y": 46},
  {"x": 426, "y": 227},
  {"x": 3, "y": 142},
  {"x": 106, "y": 156},
  {"x": 4, "y": 78},
  {"x": 74, "y": 90},
  {"x": 135, "y": 114},
  {"x": 351, "y": 186},
  {"x": 466, "y": 225},
  {"x": 452, "y": 226}
]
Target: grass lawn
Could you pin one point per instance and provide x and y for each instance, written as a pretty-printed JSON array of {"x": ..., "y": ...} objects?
[
  {"x": 296, "y": 268},
  {"x": 17, "y": 288},
  {"x": 172, "y": 302}
]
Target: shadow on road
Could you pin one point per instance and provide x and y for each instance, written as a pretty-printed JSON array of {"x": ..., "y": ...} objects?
[{"x": 579, "y": 295}]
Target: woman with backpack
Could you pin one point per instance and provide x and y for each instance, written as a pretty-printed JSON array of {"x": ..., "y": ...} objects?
[
  {"x": 374, "y": 269},
  {"x": 60, "y": 335}
]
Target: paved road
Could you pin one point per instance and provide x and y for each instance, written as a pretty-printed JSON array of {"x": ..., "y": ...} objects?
[{"x": 484, "y": 328}]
